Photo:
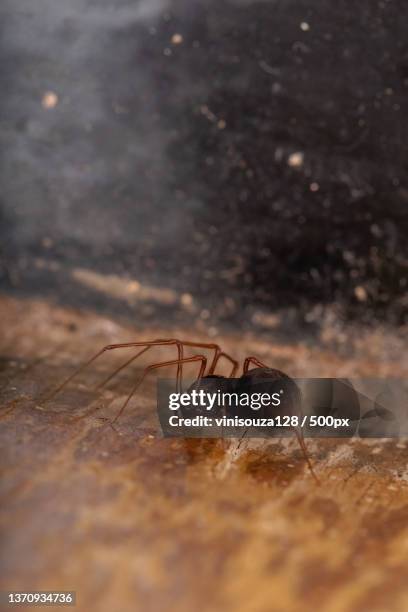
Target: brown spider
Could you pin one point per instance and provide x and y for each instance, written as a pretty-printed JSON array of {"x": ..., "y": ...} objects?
[{"x": 249, "y": 375}]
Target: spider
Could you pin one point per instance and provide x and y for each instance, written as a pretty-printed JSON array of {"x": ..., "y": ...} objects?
[{"x": 206, "y": 374}]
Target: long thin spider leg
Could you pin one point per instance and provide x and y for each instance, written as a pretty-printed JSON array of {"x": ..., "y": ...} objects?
[
  {"x": 133, "y": 358},
  {"x": 122, "y": 367},
  {"x": 255, "y": 361},
  {"x": 179, "y": 376},
  {"x": 299, "y": 435},
  {"x": 108, "y": 347},
  {"x": 302, "y": 445},
  {"x": 161, "y": 365},
  {"x": 206, "y": 345},
  {"x": 235, "y": 363},
  {"x": 215, "y": 347}
]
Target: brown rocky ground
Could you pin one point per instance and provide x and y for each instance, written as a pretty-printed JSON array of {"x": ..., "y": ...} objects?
[{"x": 134, "y": 521}]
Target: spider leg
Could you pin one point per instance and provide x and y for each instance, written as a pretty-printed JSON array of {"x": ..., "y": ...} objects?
[
  {"x": 253, "y": 360},
  {"x": 122, "y": 367},
  {"x": 203, "y": 345},
  {"x": 110, "y": 347},
  {"x": 299, "y": 435},
  {"x": 302, "y": 445},
  {"x": 134, "y": 357},
  {"x": 210, "y": 346},
  {"x": 161, "y": 365},
  {"x": 235, "y": 363}
]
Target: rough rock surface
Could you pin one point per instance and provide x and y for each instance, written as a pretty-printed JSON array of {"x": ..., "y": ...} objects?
[{"x": 132, "y": 521}]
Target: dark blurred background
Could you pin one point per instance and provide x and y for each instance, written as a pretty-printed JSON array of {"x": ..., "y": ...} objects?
[{"x": 221, "y": 159}]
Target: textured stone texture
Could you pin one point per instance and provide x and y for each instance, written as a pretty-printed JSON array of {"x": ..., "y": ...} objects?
[{"x": 132, "y": 521}]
